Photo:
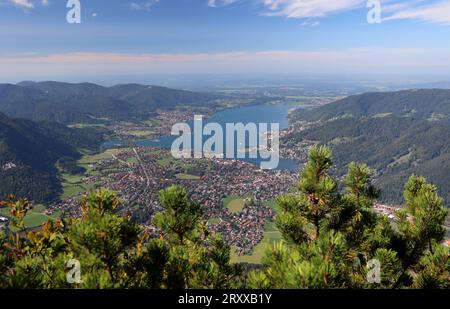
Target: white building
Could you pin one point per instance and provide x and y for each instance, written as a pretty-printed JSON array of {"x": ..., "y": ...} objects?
[{"x": 8, "y": 166}]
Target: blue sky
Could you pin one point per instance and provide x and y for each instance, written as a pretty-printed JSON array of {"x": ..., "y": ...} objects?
[{"x": 126, "y": 38}]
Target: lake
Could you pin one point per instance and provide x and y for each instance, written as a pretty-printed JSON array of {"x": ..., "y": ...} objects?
[{"x": 247, "y": 114}]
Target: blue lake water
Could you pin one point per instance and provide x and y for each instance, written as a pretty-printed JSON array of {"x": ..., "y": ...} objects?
[{"x": 248, "y": 114}]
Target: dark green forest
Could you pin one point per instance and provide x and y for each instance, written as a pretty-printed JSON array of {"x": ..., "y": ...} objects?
[
  {"x": 396, "y": 134},
  {"x": 90, "y": 103},
  {"x": 35, "y": 148},
  {"x": 419, "y": 103}
]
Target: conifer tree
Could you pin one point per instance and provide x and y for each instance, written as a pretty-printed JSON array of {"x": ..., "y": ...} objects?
[
  {"x": 114, "y": 252},
  {"x": 313, "y": 255},
  {"x": 3, "y": 261},
  {"x": 197, "y": 259},
  {"x": 420, "y": 230},
  {"x": 331, "y": 239}
]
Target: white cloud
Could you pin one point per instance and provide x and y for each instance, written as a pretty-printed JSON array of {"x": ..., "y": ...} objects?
[
  {"x": 310, "y": 23},
  {"x": 309, "y": 8},
  {"x": 434, "y": 11},
  {"x": 143, "y": 5},
  {"x": 216, "y": 3},
  {"x": 23, "y": 3},
  {"x": 437, "y": 12},
  {"x": 298, "y": 8},
  {"x": 29, "y": 4}
]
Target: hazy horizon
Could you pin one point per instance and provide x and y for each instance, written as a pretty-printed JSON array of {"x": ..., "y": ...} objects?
[{"x": 141, "y": 41}]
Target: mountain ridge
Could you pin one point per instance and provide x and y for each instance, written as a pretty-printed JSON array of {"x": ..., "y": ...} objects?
[
  {"x": 399, "y": 103},
  {"x": 396, "y": 133},
  {"x": 90, "y": 103}
]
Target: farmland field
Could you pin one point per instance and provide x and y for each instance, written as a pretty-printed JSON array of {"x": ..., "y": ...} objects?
[{"x": 234, "y": 204}]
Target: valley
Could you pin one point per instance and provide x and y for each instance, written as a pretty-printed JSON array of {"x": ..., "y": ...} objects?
[
  {"x": 236, "y": 196},
  {"x": 135, "y": 162}
]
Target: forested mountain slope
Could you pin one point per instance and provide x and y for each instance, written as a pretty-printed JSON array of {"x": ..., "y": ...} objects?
[
  {"x": 29, "y": 152},
  {"x": 90, "y": 103},
  {"x": 397, "y": 134},
  {"x": 418, "y": 103}
]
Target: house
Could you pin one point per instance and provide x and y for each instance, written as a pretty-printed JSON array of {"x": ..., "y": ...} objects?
[{"x": 8, "y": 166}]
